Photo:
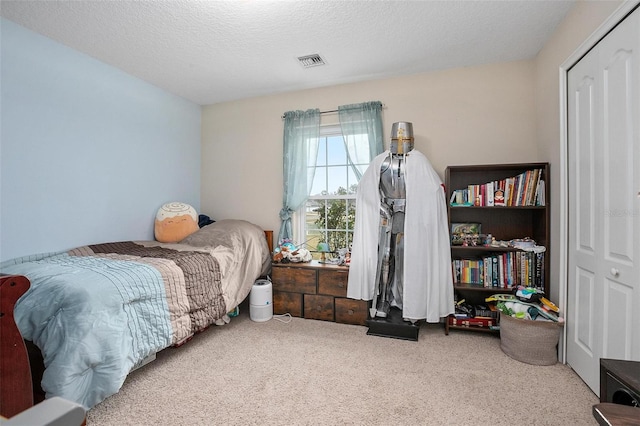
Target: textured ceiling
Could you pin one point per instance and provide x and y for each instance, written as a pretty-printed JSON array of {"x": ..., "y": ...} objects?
[{"x": 217, "y": 51}]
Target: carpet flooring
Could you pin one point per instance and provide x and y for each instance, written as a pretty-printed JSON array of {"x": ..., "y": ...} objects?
[{"x": 308, "y": 372}]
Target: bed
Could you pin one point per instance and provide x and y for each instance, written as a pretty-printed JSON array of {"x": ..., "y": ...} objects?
[{"x": 100, "y": 311}]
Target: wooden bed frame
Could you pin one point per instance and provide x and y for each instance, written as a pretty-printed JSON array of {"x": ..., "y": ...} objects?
[
  {"x": 21, "y": 365},
  {"x": 269, "y": 236},
  {"x": 16, "y": 394}
]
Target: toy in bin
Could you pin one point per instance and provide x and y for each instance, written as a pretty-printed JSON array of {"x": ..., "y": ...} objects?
[
  {"x": 528, "y": 294},
  {"x": 511, "y": 305},
  {"x": 549, "y": 305}
]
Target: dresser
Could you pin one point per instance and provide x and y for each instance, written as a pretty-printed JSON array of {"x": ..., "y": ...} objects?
[
  {"x": 620, "y": 381},
  {"x": 316, "y": 291}
]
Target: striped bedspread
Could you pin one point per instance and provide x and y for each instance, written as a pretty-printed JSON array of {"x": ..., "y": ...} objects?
[
  {"x": 97, "y": 311},
  {"x": 191, "y": 282}
]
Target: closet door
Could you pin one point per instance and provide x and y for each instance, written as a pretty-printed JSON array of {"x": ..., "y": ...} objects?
[{"x": 603, "y": 300}]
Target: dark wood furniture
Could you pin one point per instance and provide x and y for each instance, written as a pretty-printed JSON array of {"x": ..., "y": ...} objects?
[
  {"x": 610, "y": 414},
  {"x": 620, "y": 381},
  {"x": 502, "y": 222},
  {"x": 316, "y": 291},
  {"x": 268, "y": 234},
  {"x": 16, "y": 392}
]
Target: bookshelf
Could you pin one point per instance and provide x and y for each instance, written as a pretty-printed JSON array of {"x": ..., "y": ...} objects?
[{"x": 522, "y": 217}]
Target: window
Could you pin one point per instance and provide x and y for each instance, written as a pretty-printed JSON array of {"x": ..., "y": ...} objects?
[{"x": 329, "y": 213}]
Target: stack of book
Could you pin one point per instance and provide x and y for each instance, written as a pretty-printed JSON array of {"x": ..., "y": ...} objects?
[
  {"x": 484, "y": 316},
  {"x": 525, "y": 189},
  {"x": 472, "y": 322}
]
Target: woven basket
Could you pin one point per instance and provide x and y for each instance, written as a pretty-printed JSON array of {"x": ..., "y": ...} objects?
[{"x": 531, "y": 342}]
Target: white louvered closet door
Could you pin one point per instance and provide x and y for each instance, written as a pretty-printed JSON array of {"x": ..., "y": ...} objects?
[{"x": 603, "y": 291}]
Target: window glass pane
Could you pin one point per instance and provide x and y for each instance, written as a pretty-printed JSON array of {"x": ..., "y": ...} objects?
[
  {"x": 319, "y": 181},
  {"x": 336, "y": 214},
  {"x": 336, "y": 152},
  {"x": 322, "y": 152},
  {"x": 313, "y": 209},
  {"x": 337, "y": 240},
  {"x": 352, "y": 181},
  {"x": 351, "y": 214},
  {"x": 337, "y": 184},
  {"x": 312, "y": 239},
  {"x": 315, "y": 231}
]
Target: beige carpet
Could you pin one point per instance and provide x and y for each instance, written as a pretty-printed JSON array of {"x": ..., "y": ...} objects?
[{"x": 309, "y": 372}]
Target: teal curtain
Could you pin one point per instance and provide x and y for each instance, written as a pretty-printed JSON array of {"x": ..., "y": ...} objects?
[
  {"x": 301, "y": 134},
  {"x": 362, "y": 133}
]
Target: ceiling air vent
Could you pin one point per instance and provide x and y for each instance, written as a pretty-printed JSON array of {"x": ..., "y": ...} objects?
[{"x": 311, "y": 61}]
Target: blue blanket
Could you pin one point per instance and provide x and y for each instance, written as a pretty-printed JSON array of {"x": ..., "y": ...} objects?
[{"x": 93, "y": 318}]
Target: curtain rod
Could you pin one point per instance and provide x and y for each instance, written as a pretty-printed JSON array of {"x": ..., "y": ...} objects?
[
  {"x": 321, "y": 112},
  {"x": 334, "y": 110}
]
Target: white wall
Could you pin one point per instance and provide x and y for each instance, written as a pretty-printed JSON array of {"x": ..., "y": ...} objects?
[
  {"x": 582, "y": 20},
  {"x": 478, "y": 115},
  {"x": 88, "y": 153}
]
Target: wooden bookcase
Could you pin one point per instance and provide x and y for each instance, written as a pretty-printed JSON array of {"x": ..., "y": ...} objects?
[{"x": 504, "y": 223}]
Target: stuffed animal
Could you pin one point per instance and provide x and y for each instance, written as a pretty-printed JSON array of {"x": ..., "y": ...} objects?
[
  {"x": 175, "y": 221},
  {"x": 289, "y": 253}
]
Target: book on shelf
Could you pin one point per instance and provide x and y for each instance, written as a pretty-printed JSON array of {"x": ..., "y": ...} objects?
[
  {"x": 528, "y": 176},
  {"x": 487, "y": 274},
  {"x": 512, "y": 185},
  {"x": 494, "y": 271},
  {"x": 540, "y": 194},
  {"x": 468, "y": 271},
  {"x": 531, "y": 193},
  {"x": 489, "y": 191},
  {"x": 524, "y": 189},
  {"x": 501, "y": 270}
]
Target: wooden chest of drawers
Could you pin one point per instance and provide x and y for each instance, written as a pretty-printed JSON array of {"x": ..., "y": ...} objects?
[{"x": 316, "y": 291}]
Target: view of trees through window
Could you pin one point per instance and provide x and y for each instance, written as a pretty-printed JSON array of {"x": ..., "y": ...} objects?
[{"x": 329, "y": 214}]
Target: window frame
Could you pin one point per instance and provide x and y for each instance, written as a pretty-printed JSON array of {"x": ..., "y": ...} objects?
[{"x": 298, "y": 218}]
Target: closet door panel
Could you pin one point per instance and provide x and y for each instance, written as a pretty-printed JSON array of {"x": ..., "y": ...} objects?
[
  {"x": 618, "y": 158},
  {"x": 618, "y": 334},
  {"x": 584, "y": 312},
  {"x": 584, "y": 317},
  {"x": 603, "y": 292},
  {"x": 619, "y": 56}
]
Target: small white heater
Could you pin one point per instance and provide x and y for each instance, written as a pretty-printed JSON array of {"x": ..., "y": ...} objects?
[{"x": 260, "y": 301}]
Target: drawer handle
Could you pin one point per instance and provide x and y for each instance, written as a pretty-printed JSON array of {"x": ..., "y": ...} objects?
[
  {"x": 350, "y": 311},
  {"x": 341, "y": 285}
]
